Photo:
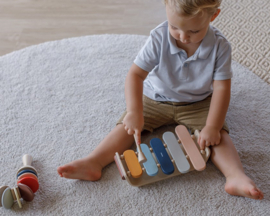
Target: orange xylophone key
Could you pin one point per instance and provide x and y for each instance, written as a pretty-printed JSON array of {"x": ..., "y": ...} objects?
[{"x": 133, "y": 163}]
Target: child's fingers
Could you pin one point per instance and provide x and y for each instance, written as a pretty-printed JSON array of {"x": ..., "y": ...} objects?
[
  {"x": 202, "y": 144},
  {"x": 126, "y": 128},
  {"x": 199, "y": 141},
  {"x": 207, "y": 143},
  {"x": 130, "y": 131}
]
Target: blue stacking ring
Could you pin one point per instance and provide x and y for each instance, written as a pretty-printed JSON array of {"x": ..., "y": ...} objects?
[{"x": 26, "y": 171}]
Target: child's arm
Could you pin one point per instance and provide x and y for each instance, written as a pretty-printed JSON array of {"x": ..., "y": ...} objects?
[
  {"x": 133, "y": 120},
  {"x": 210, "y": 134}
]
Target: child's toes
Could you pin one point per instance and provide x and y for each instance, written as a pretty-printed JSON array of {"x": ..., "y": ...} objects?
[
  {"x": 260, "y": 194},
  {"x": 61, "y": 170},
  {"x": 256, "y": 193}
]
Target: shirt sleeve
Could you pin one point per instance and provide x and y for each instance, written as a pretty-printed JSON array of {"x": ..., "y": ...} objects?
[
  {"x": 223, "y": 69},
  {"x": 148, "y": 57}
]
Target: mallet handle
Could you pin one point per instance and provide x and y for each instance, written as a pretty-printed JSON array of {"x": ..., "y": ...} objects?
[{"x": 141, "y": 156}]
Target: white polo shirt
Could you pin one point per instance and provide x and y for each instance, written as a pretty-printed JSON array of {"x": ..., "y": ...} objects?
[{"x": 174, "y": 77}]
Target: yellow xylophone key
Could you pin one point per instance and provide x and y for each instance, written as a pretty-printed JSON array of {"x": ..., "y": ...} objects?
[{"x": 133, "y": 163}]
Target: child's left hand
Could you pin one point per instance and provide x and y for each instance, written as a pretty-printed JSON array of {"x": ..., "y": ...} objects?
[{"x": 209, "y": 136}]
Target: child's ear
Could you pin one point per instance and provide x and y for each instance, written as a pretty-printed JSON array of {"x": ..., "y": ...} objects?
[{"x": 215, "y": 15}]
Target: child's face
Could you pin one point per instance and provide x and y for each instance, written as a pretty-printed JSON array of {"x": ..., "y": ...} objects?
[{"x": 188, "y": 30}]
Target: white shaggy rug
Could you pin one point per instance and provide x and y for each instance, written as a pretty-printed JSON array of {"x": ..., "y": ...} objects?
[{"x": 58, "y": 101}]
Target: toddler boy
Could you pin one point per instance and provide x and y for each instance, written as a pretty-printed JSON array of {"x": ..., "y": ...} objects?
[{"x": 182, "y": 75}]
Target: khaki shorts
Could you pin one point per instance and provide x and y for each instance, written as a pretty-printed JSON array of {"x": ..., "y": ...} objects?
[{"x": 192, "y": 115}]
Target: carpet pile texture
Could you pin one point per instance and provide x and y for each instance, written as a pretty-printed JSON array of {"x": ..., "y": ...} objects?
[{"x": 60, "y": 99}]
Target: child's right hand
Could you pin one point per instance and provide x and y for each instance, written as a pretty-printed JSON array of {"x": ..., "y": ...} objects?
[{"x": 133, "y": 123}]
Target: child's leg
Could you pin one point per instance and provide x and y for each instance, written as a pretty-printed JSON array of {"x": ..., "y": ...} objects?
[
  {"x": 90, "y": 167},
  {"x": 227, "y": 160}
]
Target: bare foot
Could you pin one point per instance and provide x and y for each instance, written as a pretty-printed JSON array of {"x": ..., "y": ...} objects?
[
  {"x": 242, "y": 186},
  {"x": 83, "y": 169}
]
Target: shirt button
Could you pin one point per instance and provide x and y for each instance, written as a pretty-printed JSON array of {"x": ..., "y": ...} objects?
[{"x": 185, "y": 65}]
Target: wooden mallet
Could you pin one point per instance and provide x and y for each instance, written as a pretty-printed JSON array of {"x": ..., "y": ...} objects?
[{"x": 141, "y": 156}]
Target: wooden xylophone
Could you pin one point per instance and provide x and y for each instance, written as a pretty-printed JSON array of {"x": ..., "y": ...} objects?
[{"x": 163, "y": 160}]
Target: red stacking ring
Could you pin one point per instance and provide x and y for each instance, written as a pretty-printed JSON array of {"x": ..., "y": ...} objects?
[{"x": 30, "y": 182}]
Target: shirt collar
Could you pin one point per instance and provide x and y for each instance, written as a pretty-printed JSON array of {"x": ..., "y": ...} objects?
[
  {"x": 204, "y": 49},
  {"x": 207, "y": 44},
  {"x": 173, "y": 46}
]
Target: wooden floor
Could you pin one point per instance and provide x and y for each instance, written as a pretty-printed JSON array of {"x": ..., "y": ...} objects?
[{"x": 28, "y": 22}]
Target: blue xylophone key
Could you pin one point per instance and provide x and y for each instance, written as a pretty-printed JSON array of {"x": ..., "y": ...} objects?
[
  {"x": 150, "y": 165},
  {"x": 162, "y": 156}
]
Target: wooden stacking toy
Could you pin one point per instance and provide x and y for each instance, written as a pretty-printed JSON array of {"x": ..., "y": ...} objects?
[
  {"x": 174, "y": 157},
  {"x": 28, "y": 174},
  {"x": 27, "y": 185}
]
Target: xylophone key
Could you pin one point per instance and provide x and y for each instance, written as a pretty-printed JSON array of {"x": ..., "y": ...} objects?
[
  {"x": 190, "y": 147},
  {"x": 119, "y": 164},
  {"x": 177, "y": 153},
  {"x": 162, "y": 156},
  {"x": 133, "y": 163},
  {"x": 150, "y": 165}
]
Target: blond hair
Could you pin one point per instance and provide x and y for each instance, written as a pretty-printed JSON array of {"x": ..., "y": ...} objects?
[{"x": 194, "y": 7}]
